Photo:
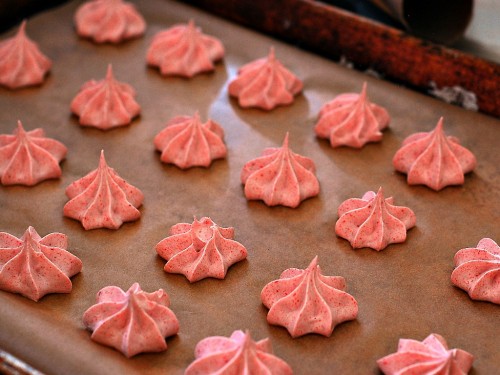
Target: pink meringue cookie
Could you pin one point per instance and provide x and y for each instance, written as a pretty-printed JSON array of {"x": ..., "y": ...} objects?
[
  {"x": 102, "y": 199},
  {"x": 132, "y": 322},
  {"x": 429, "y": 357},
  {"x": 186, "y": 142},
  {"x": 236, "y": 355},
  {"x": 21, "y": 61},
  {"x": 280, "y": 177},
  {"x": 105, "y": 104},
  {"x": 434, "y": 159},
  {"x": 109, "y": 21},
  {"x": 265, "y": 83},
  {"x": 27, "y": 158},
  {"x": 183, "y": 50},
  {"x": 306, "y": 301},
  {"x": 373, "y": 221},
  {"x": 35, "y": 266},
  {"x": 478, "y": 271},
  {"x": 351, "y": 120},
  {"x": 200, "y": 250}
]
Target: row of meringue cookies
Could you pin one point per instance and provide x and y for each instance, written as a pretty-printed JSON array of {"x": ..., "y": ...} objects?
[
  {"x": 302, "y": 300},
  {"x": 432, "y": 159}
]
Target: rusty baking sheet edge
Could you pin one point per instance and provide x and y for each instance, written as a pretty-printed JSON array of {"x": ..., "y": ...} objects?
[{"x": 392, "y": 53}]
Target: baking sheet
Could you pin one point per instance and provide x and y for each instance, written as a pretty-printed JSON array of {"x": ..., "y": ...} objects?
[{"x": 403, "y": 291}]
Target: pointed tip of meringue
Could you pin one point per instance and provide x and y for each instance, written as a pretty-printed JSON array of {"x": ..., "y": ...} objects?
[
  {"x": 313, "y": 264},
  {"x": 285, "y": 141},
  {"x": 191, "y": 23},
  {"x": 380, "y": 193},
  {"x": 30, "y": 230},
  {"x": 134, "y": 288},
  {"x": 272, "y": 55},
  {"x": 20, "y": 128},
  {"x": 440, "y": 124},
  {"x": 22, "y": 28},
  {"x": 102, "y": 160},
  {"x": 247, "y": 338},
  {"x": 362, "y": 94},
  {"x": 109, "y": 72}
]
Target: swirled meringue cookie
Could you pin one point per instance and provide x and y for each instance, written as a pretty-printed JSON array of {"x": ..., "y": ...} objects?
[
  {"x": 351, "y": 120},
  {"x": 200, "y": 250},
  {"x": 434, "y": 159},
  {"x": 478, "y": 271},
  {"x": 110, "y": 21},
  {"x": 373, "y": 221},
  {"x": 21, "y": 61},
  {"x": 132, "y": 322},
  {"x": 429, "y": 357},
  {"x": 102, "y": 199},
  {"x": 183, "y": 50},
  {"x": 236, "y": 355},
  {"x": 265, "y": 83},
  {"x": 35, "y": 266},
  {"x": 280, "y": 177},
  {"x": 187, "y": 142},
  {"x": 106, "y": 103},
  {"x": 28, "y": 157},
  {"x": 306, "y": 301}
]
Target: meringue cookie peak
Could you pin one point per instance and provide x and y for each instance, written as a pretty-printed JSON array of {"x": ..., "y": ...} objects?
[
  {"x": 27, "y": 158},
  {"x": 35, "y": 266},
  {"x": 373, "y": 221},
  {"x": 183, "y": 50},
  {"x": 478, "y": 271},
  {"x": 105, "y": 104},
  {"x": 265, "y": 83},
  {"x": 351, "y": 120},
  {"x": 434, "y": 159},
  {"x": 132, "y": 322},
  {"x": 237, "y": 355},
  {"x": 306, "y": 301},
  {"x": 21, "y": 62},
  {"x": 429, "y": 357},
  {"x": 280, "y": 177},
  {"x": 186, "y": 142},
  {"x": 102, "y": 199},
  {"x": 109, "y": 21},
  {"x": 200, "y": 250}
]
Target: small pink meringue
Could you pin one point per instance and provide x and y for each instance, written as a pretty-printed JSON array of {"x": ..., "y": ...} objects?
[
  {"x": 183, "y": 50},
  {"x": 280, "y": 177},
  {"x": 102, "y": 199},
  {"x": 351, "y": 120},
  {"x": 27, "y": 158},
  {"x": 132, "y": 322},
  {"x": 429, "y": 357},
  {"x": 478, "y": 271},
  {"x": 35, "y": 266},
  {"x": 105, "y": 104},
  {"x": 200, "y": 250},
  {"x": 109, "y": 21},
  {"x": 21, "y": 62},
  {"x": 434, "y": 159},
  {"x": 305, "y": 301},
  {"x": 373, "y": 221},
  {"x": 236, "y": 355},
  {"x": 186, "y": 142},
  {"x": 265, "y": 83}
]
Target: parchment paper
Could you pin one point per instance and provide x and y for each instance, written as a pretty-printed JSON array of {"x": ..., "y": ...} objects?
[{"x": 403, "y": 291}]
